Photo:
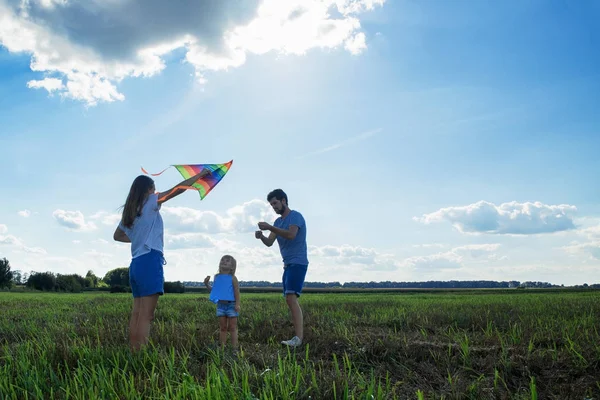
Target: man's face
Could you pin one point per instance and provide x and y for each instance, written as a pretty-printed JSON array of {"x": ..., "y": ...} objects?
[{"x": 279, "y": 206}]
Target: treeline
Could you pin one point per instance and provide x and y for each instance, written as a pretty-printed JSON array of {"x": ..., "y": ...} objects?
[
  {"x": 405, "y": 285},
  {"x": 115, "y": 281}
]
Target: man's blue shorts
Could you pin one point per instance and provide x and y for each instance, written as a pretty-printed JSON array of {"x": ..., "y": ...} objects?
[
  {"x": 226, "y": 310},
  {"x": 146, "y": 274},
  {"x": 293, "y": 278}
]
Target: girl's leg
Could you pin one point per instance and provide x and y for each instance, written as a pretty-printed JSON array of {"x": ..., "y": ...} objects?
[
  {"x": 233, "y": 331},
  {"x": 145, "y": 317},
  {"x": 133, "y": 323},
  {"x": 222, "y": 330}
]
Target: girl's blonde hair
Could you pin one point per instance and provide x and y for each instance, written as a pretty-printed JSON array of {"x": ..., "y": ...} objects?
[{"x": 227, "y": 270}]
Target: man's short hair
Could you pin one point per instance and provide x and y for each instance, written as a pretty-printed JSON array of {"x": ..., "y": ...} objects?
[{"x": 278, "y": 194}]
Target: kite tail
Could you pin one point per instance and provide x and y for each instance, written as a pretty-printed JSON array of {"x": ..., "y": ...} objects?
[{"x": 147, "y": 173}]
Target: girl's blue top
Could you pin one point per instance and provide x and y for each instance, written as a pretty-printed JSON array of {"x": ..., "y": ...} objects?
[{"x": 222, "y": 288}]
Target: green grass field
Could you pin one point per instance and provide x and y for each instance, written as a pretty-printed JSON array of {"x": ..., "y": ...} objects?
[{"x": 412, "y": 345}]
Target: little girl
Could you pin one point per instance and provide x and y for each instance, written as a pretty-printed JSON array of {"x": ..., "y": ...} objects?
[{"x": 225, "y": 293}]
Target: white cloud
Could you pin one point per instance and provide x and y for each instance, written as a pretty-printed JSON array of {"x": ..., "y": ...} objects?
[
  {"x": 188, "y": 240},
  {"x": 24, "y": 213},
  {"x": 354, "y": 255},
  {"x": 507, "y": 218},
  {"x": 592, "y": 248},
  {"x": 73, "y": 220},
  {"x": 52, "y": 3},
  {"x": 238, "y": 219},
  {"x": 374, "y": 260},
  {"x": 17, "y": 243},
  {"x": 357, "y": 6},
  {"x": 103, "y": 259},
  {"x": 50, "y": 84},
  {"x": 90, "y": 259},
  {"x": 356, "y": 44},
  {"x": 477, "y": 250},
  {"x": 591, "y": 232},
  {"x": 35, "y": 250},
  {"x": 10, "y": 240},
  {"x": 255, "y": 257},
  {"x": 346, "y": 254},
  {"x": 84, "y": 49},
  {"x": 194, "y": 263},
  {"x": 454, "y": 258},
  {"x": 430, "y": 245},
  {"x": 107, "y": 218},
  {"x": 439, "y": 261},
  {"x": 581, "y": 244},
  {"x": 62, "y": 265}
]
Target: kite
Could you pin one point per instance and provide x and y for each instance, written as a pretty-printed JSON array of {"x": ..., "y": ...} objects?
[{"x": 203, "y": 185}]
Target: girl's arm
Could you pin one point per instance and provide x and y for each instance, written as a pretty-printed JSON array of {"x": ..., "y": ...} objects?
[
  {"x": 206, "y": 280},
  {"x": 236, "y": 293},
  {"x": 121, "y": 236},
  {"x": 169, "y": 194}
]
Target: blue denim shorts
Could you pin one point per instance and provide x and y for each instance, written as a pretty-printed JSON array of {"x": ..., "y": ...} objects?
[
  {"x": 146, "y": 274},
  {"x": 226, "y": 310},
  {"x": 293, "y": 278}
]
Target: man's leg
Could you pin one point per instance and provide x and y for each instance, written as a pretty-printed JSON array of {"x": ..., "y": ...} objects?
[
  {"x": 293, "y": 278},
  {"x": 297, "y": 319}
]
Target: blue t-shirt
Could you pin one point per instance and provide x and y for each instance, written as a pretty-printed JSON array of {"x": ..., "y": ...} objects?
[
  {"x": 222, "y": 288},
  {"x": 146, "y": 232},
  {"x": 293, "y": 251}
]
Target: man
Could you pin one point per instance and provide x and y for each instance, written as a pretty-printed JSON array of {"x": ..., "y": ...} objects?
[{"x": 290, "y": 231}]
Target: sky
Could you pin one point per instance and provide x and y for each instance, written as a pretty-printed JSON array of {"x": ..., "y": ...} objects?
[{"x": 421, "y": 140}]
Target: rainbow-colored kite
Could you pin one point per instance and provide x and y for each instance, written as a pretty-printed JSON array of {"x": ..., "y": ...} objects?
[{"x": 203, "y": 185}]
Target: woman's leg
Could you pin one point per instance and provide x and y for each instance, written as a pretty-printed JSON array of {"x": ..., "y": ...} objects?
[
  {"x": 133, "y": 322},
  {"x": 147, "y": 307}
]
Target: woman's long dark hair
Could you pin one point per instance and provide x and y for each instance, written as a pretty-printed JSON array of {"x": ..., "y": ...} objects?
[{"x": 135, "y": 199}]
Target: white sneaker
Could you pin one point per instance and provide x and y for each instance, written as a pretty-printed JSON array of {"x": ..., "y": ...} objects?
[{"x": 293, "y": 342}]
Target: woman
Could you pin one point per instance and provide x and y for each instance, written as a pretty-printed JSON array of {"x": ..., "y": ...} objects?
[{"x": 142, "y": 226}]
